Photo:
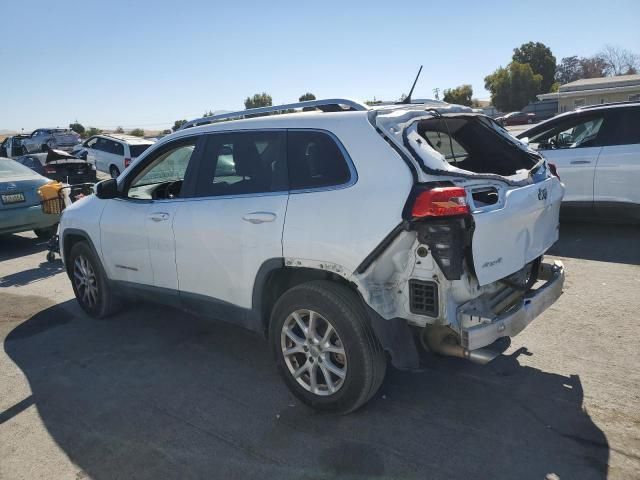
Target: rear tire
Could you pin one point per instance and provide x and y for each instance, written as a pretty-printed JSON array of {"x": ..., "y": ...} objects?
[
  {"x": 340, "y": 345},
  {"x": 90, "y": 284},
  {"x": 114, "y": 171}
]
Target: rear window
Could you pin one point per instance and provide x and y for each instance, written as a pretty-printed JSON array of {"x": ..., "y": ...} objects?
[
  {"x": 136, "y": 150},
  {"x": 476, "y": 144},
  {"x": 11, "y": 168}
]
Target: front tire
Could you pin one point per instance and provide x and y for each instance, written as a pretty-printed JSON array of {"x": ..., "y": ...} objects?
[
  {"x": 325, "y": 348},
  {"x": 90, "y": 284},
  {"x": 114, "y": 171}
]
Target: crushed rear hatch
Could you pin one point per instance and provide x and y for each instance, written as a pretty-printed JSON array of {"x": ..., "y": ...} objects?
[{"x": 513, "y": 197}]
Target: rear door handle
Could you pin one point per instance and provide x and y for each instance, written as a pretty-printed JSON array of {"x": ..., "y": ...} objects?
[
  {"x": 259, "y": 217},
  {"x": 580, "y": 162},
  {"x": 159, "y": 216}
]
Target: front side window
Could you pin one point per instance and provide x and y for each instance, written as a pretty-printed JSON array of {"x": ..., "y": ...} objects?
[
  {"x": 315, "y": 160},
  {"x": 163, "y": 175},
  {"x": 573, "y": 133},
  {"x": 91, "y": 142},
  {"x": 241, "y": 163}
]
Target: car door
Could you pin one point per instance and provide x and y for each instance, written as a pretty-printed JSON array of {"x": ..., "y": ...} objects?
[
  {"x": 234, "y": 223},
  {"x": 573, "y": 145},
  {"x": 136, "y": 228},
  {"x": 617, "y": 173}
]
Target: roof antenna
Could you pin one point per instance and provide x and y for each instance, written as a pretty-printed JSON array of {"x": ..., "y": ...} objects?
[{"x": 407, "y": 99}]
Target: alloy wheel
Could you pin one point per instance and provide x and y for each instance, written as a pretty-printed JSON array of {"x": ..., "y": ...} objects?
[
  {"x": 313, "y": 352},
  {"x": 85, "y": 280}
]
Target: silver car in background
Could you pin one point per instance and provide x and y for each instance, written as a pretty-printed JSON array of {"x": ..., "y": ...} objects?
[{"x": 44, "y": 139}]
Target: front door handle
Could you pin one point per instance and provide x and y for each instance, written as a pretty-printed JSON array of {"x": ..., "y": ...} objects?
[
  {"x": 159, "y": 216},
  {"x": 580, "y": 162},
  {"x": 259, "y": 217}
]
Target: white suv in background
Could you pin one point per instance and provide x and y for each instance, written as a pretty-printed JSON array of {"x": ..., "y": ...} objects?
[
  {"x": 112, "y": 153},
  {"x": 343, "y": 235},
  {"x": 596, "y": 150}
]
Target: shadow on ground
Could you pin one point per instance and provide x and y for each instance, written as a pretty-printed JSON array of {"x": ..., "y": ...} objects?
[
  {"x": 155, "y": 393},
  {"x": 600, "y": 242},
  {"x": 25, "y": 277},
  {"x": 14, "y": 246}
]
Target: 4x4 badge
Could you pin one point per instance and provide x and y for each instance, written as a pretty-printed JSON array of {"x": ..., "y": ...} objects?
[{"x": 542, "y": 194}]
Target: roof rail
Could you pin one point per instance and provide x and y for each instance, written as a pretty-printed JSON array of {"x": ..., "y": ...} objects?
[
  {"x": 328, "y": 105},
  {"x": 610, "y": 104}
]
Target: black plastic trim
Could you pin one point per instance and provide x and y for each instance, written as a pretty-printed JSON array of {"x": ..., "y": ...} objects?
[{"x": 380, "y": 248}]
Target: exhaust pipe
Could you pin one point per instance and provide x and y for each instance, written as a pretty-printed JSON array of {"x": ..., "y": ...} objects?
[{"x": 444, "y": 341}]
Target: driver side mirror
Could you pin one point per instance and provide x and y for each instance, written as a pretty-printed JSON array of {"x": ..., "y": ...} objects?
[{"x": 107, "y": 189}]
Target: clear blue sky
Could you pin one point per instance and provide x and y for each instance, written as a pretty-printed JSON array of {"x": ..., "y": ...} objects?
[{"x": 138, "y": 63}]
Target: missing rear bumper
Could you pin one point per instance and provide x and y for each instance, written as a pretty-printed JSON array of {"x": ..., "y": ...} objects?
[{"x": 481, "y": 327}]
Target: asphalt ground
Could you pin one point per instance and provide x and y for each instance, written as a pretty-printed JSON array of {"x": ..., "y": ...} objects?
[{"x": 155, "y": 393}]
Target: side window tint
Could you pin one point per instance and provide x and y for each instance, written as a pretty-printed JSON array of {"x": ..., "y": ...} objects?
[
  {"x": 117, "y": 148},
  {"x": 162, "y": 176},
  {"x": 243, "y": 163},
  {"x": 625, "y": 126},
  {"x": 315, "y": 160},
  {"x": 101, "y": 144},
  {"x": 91, "y": 143}
]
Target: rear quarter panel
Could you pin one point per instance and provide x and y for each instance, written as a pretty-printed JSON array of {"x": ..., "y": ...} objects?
[{"x": 344, "y": 225}]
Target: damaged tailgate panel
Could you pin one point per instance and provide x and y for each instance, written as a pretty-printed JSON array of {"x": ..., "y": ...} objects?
[{"x": 507, "y": 238}]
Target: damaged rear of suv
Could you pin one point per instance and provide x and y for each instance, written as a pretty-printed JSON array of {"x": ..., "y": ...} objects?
[
  {"x": 345, "y": 234},
  {"x": 465, "y": 266}
]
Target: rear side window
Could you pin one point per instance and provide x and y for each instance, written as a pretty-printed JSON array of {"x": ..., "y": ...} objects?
[
  {"x": 242, "y": 163},
  {"x": 315, "y": 160},
  {"x": 625, "y": 128}
]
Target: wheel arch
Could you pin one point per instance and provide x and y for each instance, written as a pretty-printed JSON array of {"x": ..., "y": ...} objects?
[
  {"x": 72, "y": 236},
  {"x": 274, "y": 278}
]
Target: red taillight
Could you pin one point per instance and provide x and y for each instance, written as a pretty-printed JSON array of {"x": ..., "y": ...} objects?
[
  {"x": 48, "y": 169},
  {"x": 440, "y": 202},
  {"x": 127, "y": 162},
  {"x": 553, "y": 169}
]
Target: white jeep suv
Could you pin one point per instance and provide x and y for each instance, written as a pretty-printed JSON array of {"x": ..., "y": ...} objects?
[{"x": 346, "y": 235}]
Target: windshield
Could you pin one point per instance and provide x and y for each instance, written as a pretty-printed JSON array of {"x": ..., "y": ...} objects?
[{"x": 11, "y": 168}]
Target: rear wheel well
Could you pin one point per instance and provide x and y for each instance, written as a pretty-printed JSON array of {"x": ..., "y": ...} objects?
[{"x": 282, "y": 279}]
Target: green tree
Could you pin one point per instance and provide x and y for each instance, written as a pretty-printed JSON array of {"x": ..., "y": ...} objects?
[
  {"x": 166, "y": 131},
  {"x": 177, "y": 124},
  {"x": 91, "y": 131},
  {"x": 77, "y": 127},
  {"x": 306, "y": 97},
  {"x": 542, "y": 62},
  {"x": 569, "y": 70},
  {"x": 258, "y": 100},
  {"x": 137, "y": 132},
  {"x": 208, "y": 114},
  {"x": 460, "y": 95},
  {"x": 119, "y": 130},
  {"x": 513, "y": 87}
]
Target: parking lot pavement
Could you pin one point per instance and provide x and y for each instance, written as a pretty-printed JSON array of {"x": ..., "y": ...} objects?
[{"x": 155, "y": 393}]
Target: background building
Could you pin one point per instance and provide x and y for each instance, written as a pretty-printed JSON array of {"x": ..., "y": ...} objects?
[{"x": 593, "y": 91}]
